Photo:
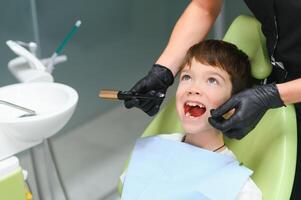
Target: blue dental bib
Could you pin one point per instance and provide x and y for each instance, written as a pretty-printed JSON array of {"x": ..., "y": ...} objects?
[{"x": 162, "y": 169}]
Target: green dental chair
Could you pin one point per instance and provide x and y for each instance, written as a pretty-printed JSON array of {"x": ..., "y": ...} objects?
[
  {"x": 270, "y": 149},
  {"x": 12, "y": 185}
]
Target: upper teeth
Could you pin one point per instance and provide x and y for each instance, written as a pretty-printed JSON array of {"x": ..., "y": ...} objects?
[{"x": 195, "y": 104}]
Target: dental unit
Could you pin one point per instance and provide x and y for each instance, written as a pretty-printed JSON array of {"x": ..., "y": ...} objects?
[{"x": 32, "y": 111}]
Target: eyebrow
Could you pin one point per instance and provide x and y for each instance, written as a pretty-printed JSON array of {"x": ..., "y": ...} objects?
[
  {"x": 184, "y": 70},
  {"x": 217, "y": 74},
  {"x": 210, "y": 73}
]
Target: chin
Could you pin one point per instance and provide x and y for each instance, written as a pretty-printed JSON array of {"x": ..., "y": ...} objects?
[{"x": 195, "y": 129}]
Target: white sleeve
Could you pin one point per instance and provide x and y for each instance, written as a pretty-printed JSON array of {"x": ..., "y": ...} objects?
[
  {"x": 122, "y": 176},
  {"x": 249, "y": 191}
]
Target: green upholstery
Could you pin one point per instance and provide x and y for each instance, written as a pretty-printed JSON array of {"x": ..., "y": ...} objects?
[
  {"x": 12, "y": 187},
  {"x": 270, "y": 149},
  {"x": 245, "y": 32}
]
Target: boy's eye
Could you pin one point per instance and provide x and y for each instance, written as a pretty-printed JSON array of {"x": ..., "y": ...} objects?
[
  {"x": 185, "y": 77},
  {"x": 212, "y": 80}
]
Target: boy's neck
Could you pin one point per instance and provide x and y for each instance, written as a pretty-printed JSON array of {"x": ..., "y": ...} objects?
[{"x": 209, "y": 141}]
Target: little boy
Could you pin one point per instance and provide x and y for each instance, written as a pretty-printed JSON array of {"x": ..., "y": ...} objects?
[{"x": 197, "y": 164}]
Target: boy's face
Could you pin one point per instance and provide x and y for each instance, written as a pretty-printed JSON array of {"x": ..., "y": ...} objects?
[{"x": 201, "y": 88}]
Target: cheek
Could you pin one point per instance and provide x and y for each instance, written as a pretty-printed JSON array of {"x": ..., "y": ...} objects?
[
  {"x": 181, "y": 90},
  {"x": 179, "y": 94},
  {"x": 217, "y": 98},
  {"x": 177, "y": 106}
]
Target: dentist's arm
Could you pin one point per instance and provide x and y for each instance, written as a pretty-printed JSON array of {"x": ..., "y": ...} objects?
[
  {"x": 290, "y": 92},
  {"x": 192, "y": 27},
  {"x": 250, "y": 106}
]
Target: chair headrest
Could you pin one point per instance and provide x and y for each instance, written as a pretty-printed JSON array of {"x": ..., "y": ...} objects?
[{"x": 245, "y": 32}]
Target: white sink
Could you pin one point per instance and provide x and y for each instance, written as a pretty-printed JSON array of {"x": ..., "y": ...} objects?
[{"x": 53, "y": 103}]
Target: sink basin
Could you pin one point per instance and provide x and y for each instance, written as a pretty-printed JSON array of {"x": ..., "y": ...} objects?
[{"x": 54, "y": 104}]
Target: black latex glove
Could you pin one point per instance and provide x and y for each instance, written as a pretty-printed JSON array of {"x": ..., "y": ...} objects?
[
  {"x": 155, "y": 83},
  {"x": 250, "y": 106}
]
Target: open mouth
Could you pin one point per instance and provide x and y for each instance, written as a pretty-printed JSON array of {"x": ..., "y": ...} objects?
[{"x": 194, "y": 109}]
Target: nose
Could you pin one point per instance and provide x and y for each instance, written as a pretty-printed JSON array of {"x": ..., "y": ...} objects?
[{"x": 193, "y": 90}]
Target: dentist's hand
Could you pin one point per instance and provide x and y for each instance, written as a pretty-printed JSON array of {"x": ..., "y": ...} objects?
[
  {"x": 250, "y": 106},
  {"x": 155, "y": 83}
]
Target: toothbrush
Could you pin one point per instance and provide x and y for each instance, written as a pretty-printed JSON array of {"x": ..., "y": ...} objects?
[
  {"x": 63, "y": 44},
  {"x": 124, "y": 95}
]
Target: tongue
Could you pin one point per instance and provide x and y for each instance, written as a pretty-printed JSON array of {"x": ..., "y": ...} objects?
[
  {"x": 196, "y": 111},
  {"x": 186, "y": 109}
]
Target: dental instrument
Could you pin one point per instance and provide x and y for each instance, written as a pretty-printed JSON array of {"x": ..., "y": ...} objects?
[
  {"x": 74, "y": 29},
  {"x": 124, "y": 95},
  {"x": 30, "y": 112}
]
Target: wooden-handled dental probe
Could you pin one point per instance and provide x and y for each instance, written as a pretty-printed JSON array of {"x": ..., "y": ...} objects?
[{"x": 123, "y": 95}]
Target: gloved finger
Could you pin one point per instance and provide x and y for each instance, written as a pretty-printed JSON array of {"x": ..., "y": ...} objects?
[
  {"x": 160, "y": 94},
  {"x": 217, "y": 122},
  {"x": 134, "y": 102},
  {"x": 224, "y": 108},
  {"x": 152, "y": 93},
  {"x": 235, "y": 133},
  {"x": 147, "y": 105},
  {"x": 224, "y": 124},
  {"x": 154, "y": 110},
  {"x": 139, "y": 87},
  {"x": 227, "y": 124}
]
